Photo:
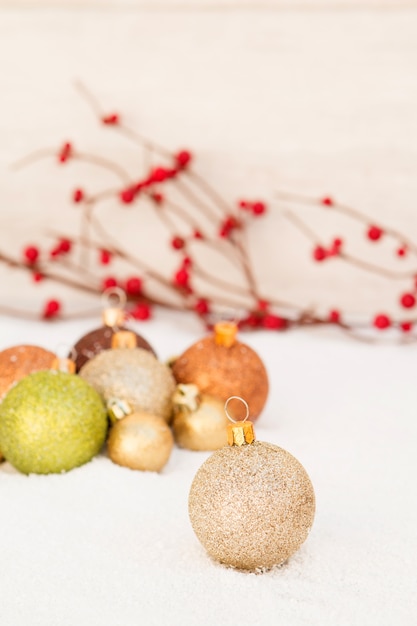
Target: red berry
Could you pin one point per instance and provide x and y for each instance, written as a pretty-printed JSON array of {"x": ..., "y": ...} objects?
[
  {"x": 78, "y": 195},
  {"x": 334, "y": 316},
  {"x": 374, "y": 233},
  {"x": 243, "y": 204},
  {"x": 158, "y": 175},
  {"x": 198, "y": 235},
  {"x": 263, "y": 305},
  {"x": 51, "y": 308},
  {"x": 55, "y": 252},
  {"x": 252, "y": 320},
  {"x": 171, "y": 173},
  {"x": 406, "y": 327},
  {"x": 182, "y": 277},
  {"x": 408, "y": 300},
  {"x": 158, "y": 198},
  {"x": 127, "y": 195},
  {"x": 65, "y": 153},
  {"x": 37, "y": 277},
  {"x": 382, "y": 321},
  {"x": 108, "y": 282},
  {"x": 142, "y": 311},
  {"x": 319, "y": 253},
  {"x": 64, "y": 246},
  {"x": 258, "y": 208},
  {"x": 274, "y": 322},
  {"x": 105, "y": 257},
  {"x": 402, "y": 251},
  {"x": 187, "y": 261},
  {"x": 202, "y": 306},
  {"x": 31, "y": 254},
  {"x": 111, "y": 119},
  {"x": 177, "y": 243},
  {"x": 133, "y": 286},
  {"x": 327, "y": 201},
  {"x": 183, "y": 158},
  {"x": 335, "y": 247}
]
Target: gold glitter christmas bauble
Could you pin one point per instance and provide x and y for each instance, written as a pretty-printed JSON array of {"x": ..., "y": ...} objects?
[
  {"x": 51, "y": 422},
  {"x": 199, "y": 421},
  {"x": 251, "y": 505},
  {"x": 98, "y": 340},
  {"x": 133, "y": 375},
  {"x": 140, "y": 441},
  {"x": 222, "y": 366},
  {"x": 19, "y": 361}
]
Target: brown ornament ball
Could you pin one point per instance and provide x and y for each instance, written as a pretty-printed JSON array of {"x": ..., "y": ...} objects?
[
  {"x": 140, "y": 441},
  {"x": 18, "y": 362},
  {"x": 251, "y": 506},
  {"x": 200, "y": 423},
  {"x": 98, "y": 340},
  {"x": 224, "y": 370},
  {"x": 134, "y": 376}
]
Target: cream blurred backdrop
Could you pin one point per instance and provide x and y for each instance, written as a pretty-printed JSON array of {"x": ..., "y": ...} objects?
[{"x": 318, "y": 97}]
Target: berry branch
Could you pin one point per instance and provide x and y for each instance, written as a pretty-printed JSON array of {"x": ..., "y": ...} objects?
[{"x": 199, "y": 221}]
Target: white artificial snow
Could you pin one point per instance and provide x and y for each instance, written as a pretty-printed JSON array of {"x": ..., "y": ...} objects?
[{"x": 106, "y": 546}]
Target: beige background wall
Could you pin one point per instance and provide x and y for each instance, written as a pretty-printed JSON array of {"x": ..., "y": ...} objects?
[{"x": 317, "y": 97}]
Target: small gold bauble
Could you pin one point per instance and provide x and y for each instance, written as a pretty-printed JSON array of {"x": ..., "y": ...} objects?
[
  {"x": 221, "y": 366},
  {"x": 199, "y": 421},
  {"x": 251, "y": 505},
  {"x": 20, "y": 361},
  {"x": 140, "y": 441},
  {"x": 133, "y": 375}
]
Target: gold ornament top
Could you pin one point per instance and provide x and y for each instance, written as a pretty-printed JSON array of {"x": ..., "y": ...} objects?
[
  {"x": 240, "y": 433},
  {"x": 113, "y": 317},
  {"x": 63, "y": 365},
  {"x": 117, "y": 409},
  {"x": 225, "y": 334},
  {"x": 125, "y": 339},
  {"x": 186, "y": 397}
]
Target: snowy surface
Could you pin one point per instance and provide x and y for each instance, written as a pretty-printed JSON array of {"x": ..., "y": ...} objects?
[{"x": 106, "y": 546}]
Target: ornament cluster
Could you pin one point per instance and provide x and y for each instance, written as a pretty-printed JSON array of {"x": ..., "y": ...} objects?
[{"x": 251, "y": 504}]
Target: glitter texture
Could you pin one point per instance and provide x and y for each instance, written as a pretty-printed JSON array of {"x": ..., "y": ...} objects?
[
  {"x": 201, "y": 429},
  {"x": 222, "y": 372},
  {"x": 251, "y": 506},
  {"x": 134, "y": 376},
  {"x": 19, "y": 361},
  {"x": 51, "y": 422},
  {"x": 98, "y": 340},
  {"x": 141, "y": 441}
]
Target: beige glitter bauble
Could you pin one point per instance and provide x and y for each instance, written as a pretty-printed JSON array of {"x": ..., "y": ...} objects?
[
  {"x": 133, "y": 375},
  {"x": 199, "y": 422},
  {"x": 221, "y": 366},
  {"x": 20, "y": 361},
  {"x": 251, "y": 506},
  {"x": 140, "y": 441}
]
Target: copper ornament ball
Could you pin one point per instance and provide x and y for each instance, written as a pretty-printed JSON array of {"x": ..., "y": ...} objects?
[
  {"x": 19, "y": 361},
  {"x": 140, "y": 441},
  {"x": 222, "y": 366},
  {"x": 251, "y": 506},
  {"x": 98, "y": 340}
]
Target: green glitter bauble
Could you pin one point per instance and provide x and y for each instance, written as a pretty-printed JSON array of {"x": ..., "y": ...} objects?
[{"x": 51, "y": 422}]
